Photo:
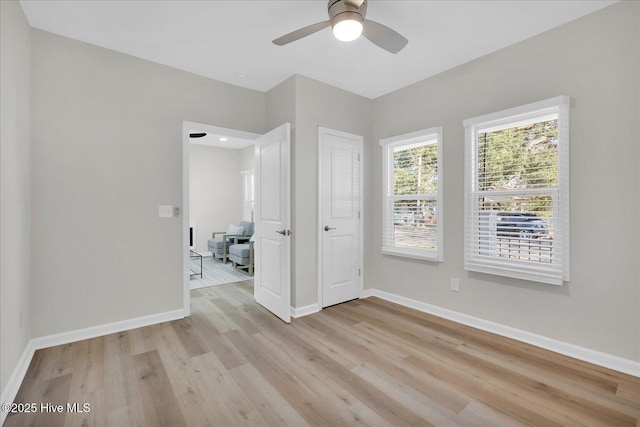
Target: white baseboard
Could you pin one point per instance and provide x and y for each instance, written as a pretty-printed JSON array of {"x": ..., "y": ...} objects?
[
  {"x": 15, "y": 380},
  {"x": 13, "y": 385},
  {"x": 585, "y": 354},
  {"x": 304, "y": 311},
  {"x": 366, "y": 293},
  {"x": 107, "y": 328}
]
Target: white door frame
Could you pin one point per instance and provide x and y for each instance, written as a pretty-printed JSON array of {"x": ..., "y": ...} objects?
[
  {"x": 188, "y": 126},
  {"x": 360, "y": 144}
]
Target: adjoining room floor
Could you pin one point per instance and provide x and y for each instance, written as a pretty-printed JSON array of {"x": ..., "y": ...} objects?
[
  {"x": 215, "y": 272},
  {"x": 365, "y": 362}
]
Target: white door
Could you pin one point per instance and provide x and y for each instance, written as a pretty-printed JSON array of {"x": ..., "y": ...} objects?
[
  {"x": 272, "y": 281},
  {"x": 340, "y": 216}
]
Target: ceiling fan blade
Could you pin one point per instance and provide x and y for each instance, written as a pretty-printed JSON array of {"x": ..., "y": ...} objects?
[
  {"x": 302, "y": 32},
  {"x": 383, "y": 36}
]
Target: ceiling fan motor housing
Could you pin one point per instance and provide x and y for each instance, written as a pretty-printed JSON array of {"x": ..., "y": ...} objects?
[{"x": 340, "y": 10}]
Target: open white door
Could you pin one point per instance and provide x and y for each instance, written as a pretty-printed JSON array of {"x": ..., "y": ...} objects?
[
  {"x": 340, "y": 216},
  {"x": 272, "y": 281}
]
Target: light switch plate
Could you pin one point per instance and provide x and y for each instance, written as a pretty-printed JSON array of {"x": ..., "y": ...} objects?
[{"x": 165, "y": 211}]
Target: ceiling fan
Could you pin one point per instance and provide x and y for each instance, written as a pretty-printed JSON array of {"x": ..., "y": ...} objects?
[{"x": 347, "y": 19}]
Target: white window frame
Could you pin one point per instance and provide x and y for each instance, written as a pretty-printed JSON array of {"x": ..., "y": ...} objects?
[
  {"x": 388, "y": 198},
  {"x": 558, "y": 271},
  {"x": 248, "y": 195}
]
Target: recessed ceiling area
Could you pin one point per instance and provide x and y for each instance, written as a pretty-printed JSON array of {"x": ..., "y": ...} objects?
[{"x": 230, "y": 41}]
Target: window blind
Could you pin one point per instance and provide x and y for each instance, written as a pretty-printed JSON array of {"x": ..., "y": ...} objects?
[
  {"x": 247, "y": 195},
  {"x": 517, "y": 200},
  {"x": 411, "y": 195}
]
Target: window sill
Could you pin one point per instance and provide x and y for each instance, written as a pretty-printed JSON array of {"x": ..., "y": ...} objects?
[{"x": 421, "y": 255}]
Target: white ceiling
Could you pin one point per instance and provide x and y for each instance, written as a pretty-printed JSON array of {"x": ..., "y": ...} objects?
[{"x": 230, "y": 41}]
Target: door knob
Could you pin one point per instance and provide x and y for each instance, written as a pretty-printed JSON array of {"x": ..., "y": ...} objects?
[
  {"x": 327, "y": 228},
  {"x": 284, "y": 232}
]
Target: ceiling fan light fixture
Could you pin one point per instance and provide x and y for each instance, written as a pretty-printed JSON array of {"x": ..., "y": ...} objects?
[
  {"x": 347, "y": 26},
  {"x": 346, "y": 18}
]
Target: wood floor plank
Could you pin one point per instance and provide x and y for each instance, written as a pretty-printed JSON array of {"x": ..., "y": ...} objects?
[
  {"x": 218, "y": 387},
  {"x": 554, "y": 399},
  {"x": 342, "y": 348},
  {"x": 594, "y": 395},
  {"x": 600, "y": 409},
  {"x": 214, "y": 316},
  {"x": 174, "y": 358},
  {"x": 480, "y": 414},
  {"x": 121, "y": 389},
  {"x": 142, "y": 339},
  {"x": 629, "y": 390},
  {"x": 299, "y": 395},
  {"x": 49, "y": 397},
  {"x": 308, "y": 328},
  {"x": 434, "y": 389},
  {"x": 273, "y": 407},
  {"x": 418, "y": 402},
  {"x": 228, "y": 355},
  {"x": 93, "y": 415},
  {"x": 505, "y": 402},
  {"x": 416, "y": 328},
  {"x": 366, "y": 362},
  {"x": 87, "y": 384},
  {"x": 130, "y": 415},
  {"x": 192, "y": 340},
  {"x": 160, "y": 403},
  {"x": 569, "y": 367},
  {"x": 354, "y": 385},
  {"x": 321, "y": 384},
  {"x": 200, "y": 402},
  {"x": 557, "y": 405},
  {"x": 235, "y": 313}
]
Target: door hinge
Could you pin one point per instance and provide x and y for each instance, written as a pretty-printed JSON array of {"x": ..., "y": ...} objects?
[
  {"x": 359, "y": 273},
  {"x": 358, "y": 214},
  {"x": 358, "y": 157}
]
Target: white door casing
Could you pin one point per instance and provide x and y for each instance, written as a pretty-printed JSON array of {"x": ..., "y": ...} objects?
[
  {"x": 272, "y": 280},
  {"x": 340, "y": 216}
]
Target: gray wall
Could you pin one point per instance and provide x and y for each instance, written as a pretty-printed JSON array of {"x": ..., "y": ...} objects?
[
  {"x": 307, "y": 104},
  {"x": 317, "y": 104},
  {"x": 215, "y": 190},
  {"x": 595, "y": 60},
  {"x": 247, "y": 158},
  {"x": 281, "y": 108},
  {"x": 15, "y": 187},
  {"x": 107, "y": 150}
]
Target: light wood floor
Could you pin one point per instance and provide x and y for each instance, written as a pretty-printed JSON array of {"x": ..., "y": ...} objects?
[{"x": 366, "y": 362}]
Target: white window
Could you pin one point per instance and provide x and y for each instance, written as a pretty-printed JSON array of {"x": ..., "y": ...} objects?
[
  {"x": 412, "y": 188},
  {"x": 517, "y": 192},
  {"x": 247, "y": 195}
]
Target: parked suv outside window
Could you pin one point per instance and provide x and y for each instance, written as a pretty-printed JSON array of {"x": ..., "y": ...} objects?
[{"x": 522, "y": 225}]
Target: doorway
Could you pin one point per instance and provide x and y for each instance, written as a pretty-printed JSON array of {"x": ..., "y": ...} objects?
[
  {"x": 213, "y": 185},
  {"x": 269, "y": 155}
]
